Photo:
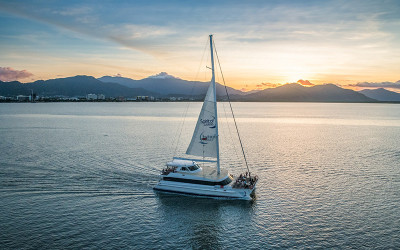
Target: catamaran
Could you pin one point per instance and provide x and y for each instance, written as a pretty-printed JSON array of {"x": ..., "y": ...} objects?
[{"x": 188, "y": 176}]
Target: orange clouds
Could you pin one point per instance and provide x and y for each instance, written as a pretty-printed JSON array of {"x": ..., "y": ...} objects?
[
  {"x": 305, "y": 82},
  {"x": 266, "y": 85}
]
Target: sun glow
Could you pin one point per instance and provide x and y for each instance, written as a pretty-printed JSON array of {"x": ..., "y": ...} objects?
[
  {"x": 294, "y": 78},
  {"x": 293, "y": 73}
]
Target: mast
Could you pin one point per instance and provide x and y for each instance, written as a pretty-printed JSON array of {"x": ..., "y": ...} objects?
[{"x": 215, "y": 101}]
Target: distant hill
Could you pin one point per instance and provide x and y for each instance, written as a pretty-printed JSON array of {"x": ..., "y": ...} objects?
[
  {"x": 13, "y": 88},
  {"x": 70, "y": 86},
  {"x": 165, "y": 84},
  {"x": 297, "y": 93},
  {"x": 381, "y": 94}
]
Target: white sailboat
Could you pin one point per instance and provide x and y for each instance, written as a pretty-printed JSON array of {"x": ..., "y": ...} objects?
[{"x": 186, "y": 176}]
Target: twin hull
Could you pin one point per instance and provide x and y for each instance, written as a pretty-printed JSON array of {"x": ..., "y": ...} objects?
[{"x": 205, "y": 190}]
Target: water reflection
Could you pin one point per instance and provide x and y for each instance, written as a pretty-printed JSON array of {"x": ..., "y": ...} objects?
[
  {"x": 329, "y": 177},
  {"x": 202, "y": 222}
]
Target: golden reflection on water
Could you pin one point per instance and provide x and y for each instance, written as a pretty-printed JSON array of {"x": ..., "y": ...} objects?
[{"x": 78, "y": 175}]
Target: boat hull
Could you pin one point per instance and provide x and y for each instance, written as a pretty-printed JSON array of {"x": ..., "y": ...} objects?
[{"x": 203, "y": 190}]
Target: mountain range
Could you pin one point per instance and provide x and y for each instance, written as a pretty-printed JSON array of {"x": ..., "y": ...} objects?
[
  {"x": 70, "y": 86},
  {"x": 297, "y": 93},
  {"x": 381, "y": 94},
  {"x": 163, "y": 86}
]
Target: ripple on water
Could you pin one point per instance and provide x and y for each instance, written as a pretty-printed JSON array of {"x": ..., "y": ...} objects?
[{"x": 323, "y": 183}]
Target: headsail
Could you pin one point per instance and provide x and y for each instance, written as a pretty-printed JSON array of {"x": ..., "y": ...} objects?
[
  {"x": 205, "y": 137},
  {"x": 204, "y": 140}
]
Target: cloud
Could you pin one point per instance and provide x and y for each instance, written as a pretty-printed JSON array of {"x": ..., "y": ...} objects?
[
  {"x": 74, "y": 11},
  {"x": 9, "y": 74},
  {"x": 266, "y": 85},
  {"x": 146, "y": 38},
  {"x": 270, "y": 85},
  {"x": 393, "y": 85},
  {"x": 305, "y": 82}
]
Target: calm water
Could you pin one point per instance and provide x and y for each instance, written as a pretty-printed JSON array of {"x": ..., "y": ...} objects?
[{"x": 80, "y": 175}]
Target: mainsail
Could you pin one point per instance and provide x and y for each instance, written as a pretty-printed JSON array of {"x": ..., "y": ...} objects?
[{"x": 205, "y": 138}]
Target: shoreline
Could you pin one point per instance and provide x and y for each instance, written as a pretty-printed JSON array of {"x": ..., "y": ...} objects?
[{"x": 130, "y": 101}]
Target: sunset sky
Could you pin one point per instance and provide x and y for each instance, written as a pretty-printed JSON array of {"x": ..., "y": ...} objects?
[{"x": 260, "y": 43}]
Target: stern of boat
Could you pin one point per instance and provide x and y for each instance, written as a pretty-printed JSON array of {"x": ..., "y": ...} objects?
[{"x": 246, "y": 183}]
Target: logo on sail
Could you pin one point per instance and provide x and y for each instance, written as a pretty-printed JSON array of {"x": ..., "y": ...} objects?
[
  {"x": 208, "y": 122},
  {"x": 204, "y": 139}
]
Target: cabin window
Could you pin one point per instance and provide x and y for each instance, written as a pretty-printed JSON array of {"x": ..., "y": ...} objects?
[
  {"x": 184, "y": 169},
  {"x": 226, "y": 181}
]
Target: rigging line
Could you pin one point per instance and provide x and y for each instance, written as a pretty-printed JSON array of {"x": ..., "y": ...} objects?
[
  {"x": 180, "y": 128},
  {"x": 230, "y": 133},
  {"x": 233, "y": 115},
  {"x": 229, "y": 127}
]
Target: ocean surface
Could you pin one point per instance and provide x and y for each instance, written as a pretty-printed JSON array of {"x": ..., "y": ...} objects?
[{"x": 80, "y": 176}]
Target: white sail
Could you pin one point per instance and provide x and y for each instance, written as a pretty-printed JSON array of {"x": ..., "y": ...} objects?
[{"x": 205, "y": 138}]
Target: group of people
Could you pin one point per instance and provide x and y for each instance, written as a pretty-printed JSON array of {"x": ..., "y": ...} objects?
[
  {"x": 168, "y": 170},
  {"x": 245, "y": 181}
]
